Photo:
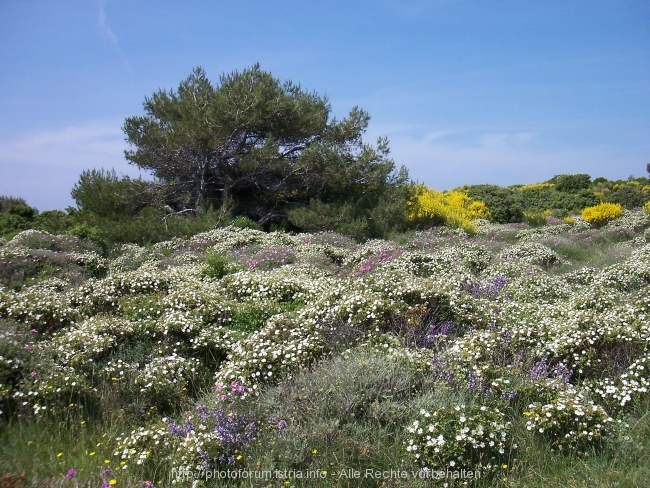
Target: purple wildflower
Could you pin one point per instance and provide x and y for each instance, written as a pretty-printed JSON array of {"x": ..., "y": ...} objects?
[
  {"x": 561, "y": 372},
  {"x": 490, "y": 290},
  {"x": 237, "y": 388},
  {"x": 507, "y": 336},
  {"x": 233, "y": 430},
  {"x": 508, "y": 395},
  {"x": 472, "y": 381},
  {"x": 435, "y": 331},
  {"x": 539, "y": 371},
  {"x": 442, "y": 371},
  {"x": 175, "y": 430},
  {"x": 71, "y": 473}
]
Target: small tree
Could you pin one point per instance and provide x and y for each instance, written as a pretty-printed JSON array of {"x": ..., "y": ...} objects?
[
  {"x": 105, "y": 194},
  {"x": 7, "y": 201},
  {"x": 267, "y": 146}
]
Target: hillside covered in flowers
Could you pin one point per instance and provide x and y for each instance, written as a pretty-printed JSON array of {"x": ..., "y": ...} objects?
[{"x": 513, "y": 351}]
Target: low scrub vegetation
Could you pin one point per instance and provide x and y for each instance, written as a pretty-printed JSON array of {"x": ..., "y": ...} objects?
[{"x": 509, "y": 355}]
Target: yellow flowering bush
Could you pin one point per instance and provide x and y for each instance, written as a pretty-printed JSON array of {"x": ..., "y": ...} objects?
[
  {"x": 451, "y": 208},
  {"x": 535, "y": 219},
  {"x": 646, "y": 207},
  {"x": 603, "y": 213},
  {"x": 601, "y": 194}
]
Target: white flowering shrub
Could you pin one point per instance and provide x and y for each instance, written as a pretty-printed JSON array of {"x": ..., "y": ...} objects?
[
  {"x": 543, "y": 233},
  {"x": 38, "y": 239},
  {"x": 92, "y": 262},
  {"x": 570, "y": 421},
  {"x": 55, "y": 390},
  {"x": 102, "y": 295},
  {"x": 40, "y": 307},
  {"x": 471, "y": 437},
  {"x": 16, "y": 360},
  {"x": 631, "y": 220},
  {"x": 131, "y": 258},
  {"x": 78, "y": 345},
  {"x": 217, "y": 338},
  {"x": 535, "y": 285},
  {"x": 532, "y": 253},
  {"x": 202, "y": 300},
  {"x": 166, "y": 377},
  {"x": 145, "y": 445},
  {"x": 617, "y": 393},
  {"x": 281, "y": 345},
  {"x": 230, "y": 238}
]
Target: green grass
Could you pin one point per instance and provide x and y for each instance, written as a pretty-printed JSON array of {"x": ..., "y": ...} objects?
[
  {"x": 592, "y": 250},
  {"x": 46, "y": 450}
]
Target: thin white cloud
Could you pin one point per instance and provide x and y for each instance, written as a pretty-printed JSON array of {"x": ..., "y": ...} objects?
[
  {"x": 105, "y": 28},
  {"x": 108, "y": 33},
  {"x": 75, "y": 146},
  {"x": 43, "y": 166}
]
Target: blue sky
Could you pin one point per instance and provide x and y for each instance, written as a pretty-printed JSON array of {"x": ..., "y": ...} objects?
[{"x": 467, "y": 91}]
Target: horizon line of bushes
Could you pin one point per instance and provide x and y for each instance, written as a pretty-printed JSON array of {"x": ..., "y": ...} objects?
[{"x": 111, "y": 209}]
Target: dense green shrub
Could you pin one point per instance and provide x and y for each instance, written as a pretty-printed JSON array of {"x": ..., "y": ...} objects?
[
  {"x": 53, "y": 221},
  {"x": 11, "y": 224},
  {"x": 538, "y": 199},
  {"x": 93, "y": 234},
  {"x": 561, "y": 195},
  {"x": 24, "y": 211},
  {"x": 571, "y": 183},
  {"x": 535, "y": 219},
  {"x": 15, "y": 215},
  {"x": 630, "y": 196},
  {"x": 243, "y": 222},
  {"x": 501, "y": 202},
  {"x": 362, "y": 213},
  {"x": 216, "y": 265},
  {"x": 151, "y": 225}
]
